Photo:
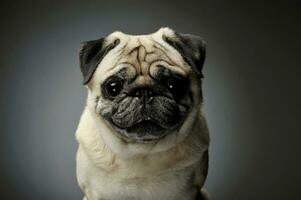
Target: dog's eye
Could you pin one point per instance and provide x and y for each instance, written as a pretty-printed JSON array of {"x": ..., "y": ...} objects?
[
  {"x": 177, "y": 87},
  {"x": 113, "y": 87}
]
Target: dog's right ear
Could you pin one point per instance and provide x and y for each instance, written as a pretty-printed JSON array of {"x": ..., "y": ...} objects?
[{"x": 91, "y": 54}]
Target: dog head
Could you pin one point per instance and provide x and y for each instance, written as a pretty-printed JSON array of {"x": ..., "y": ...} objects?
[{"x": 146, "y": 87}]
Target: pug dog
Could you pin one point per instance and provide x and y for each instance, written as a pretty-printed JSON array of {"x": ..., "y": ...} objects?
[{"x": 142, "y": 134}]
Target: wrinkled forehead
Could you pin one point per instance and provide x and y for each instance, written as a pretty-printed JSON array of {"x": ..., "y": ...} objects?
[{"x": 140, "y": 55}]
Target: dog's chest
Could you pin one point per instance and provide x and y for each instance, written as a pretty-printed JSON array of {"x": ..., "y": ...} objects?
[
  {"x": 173, "y": 186},
  {"x": 128, "y": 184}
]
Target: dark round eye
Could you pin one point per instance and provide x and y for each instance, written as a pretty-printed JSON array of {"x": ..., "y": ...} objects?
[
  {"x": 177, "y": 87},
  {"x": 113, "y": 87}
]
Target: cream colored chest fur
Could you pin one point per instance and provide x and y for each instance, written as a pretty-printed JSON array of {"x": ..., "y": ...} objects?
[
  {"x": 101, "y": 184},
  {"x": 172, "y": 174}
]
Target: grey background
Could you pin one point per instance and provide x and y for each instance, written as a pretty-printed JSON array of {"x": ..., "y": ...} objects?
[{"x": 251, "y": 88}]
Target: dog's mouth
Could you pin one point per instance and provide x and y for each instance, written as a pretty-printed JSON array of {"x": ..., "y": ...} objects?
[
  {"x": 146, "y": 127},
  {"x": 144, "y": 131}
]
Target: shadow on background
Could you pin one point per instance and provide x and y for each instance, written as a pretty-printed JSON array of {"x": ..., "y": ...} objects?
[{"x": 251, "y": 88}]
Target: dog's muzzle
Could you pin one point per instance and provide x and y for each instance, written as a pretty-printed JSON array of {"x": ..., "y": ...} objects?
[{"x": 146, "y": 115}]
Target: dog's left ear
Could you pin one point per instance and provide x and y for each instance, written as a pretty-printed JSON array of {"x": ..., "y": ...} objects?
[
  {"x": 91, "y": 54},
  {"x": 191, "y": 47}
]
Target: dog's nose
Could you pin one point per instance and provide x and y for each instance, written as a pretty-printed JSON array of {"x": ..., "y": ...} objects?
[{"x": 142, "y": 93}]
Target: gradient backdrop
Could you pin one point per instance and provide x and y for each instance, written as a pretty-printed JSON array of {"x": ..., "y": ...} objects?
[{"x": 251, "y": 87}]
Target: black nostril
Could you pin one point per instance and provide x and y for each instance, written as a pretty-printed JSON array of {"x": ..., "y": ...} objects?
[
  {"x": 142, "y": 92},
  {"x": 138, "y": 93},
  {"x": 149, "y": 93}
]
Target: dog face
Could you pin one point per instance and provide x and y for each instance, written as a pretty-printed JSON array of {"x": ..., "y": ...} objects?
[{"x": 144, "y": 87}]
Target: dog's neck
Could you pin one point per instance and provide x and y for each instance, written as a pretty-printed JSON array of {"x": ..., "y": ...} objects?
[{"x": 103, "y": 149}]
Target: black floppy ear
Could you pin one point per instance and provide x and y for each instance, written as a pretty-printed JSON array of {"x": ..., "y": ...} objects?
[
  {"x": 91, "y": 54},
  {"x": 191, "y": 47}
]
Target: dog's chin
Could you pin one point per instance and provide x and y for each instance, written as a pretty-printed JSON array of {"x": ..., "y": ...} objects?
[
  {"x": 143, "y": 132},
  {"x": 146, "y": 131}
]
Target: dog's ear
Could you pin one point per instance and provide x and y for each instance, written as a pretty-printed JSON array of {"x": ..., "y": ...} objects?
[
  {"x": 90, "y": 55},
  {"x": 191, "y": 47}
]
